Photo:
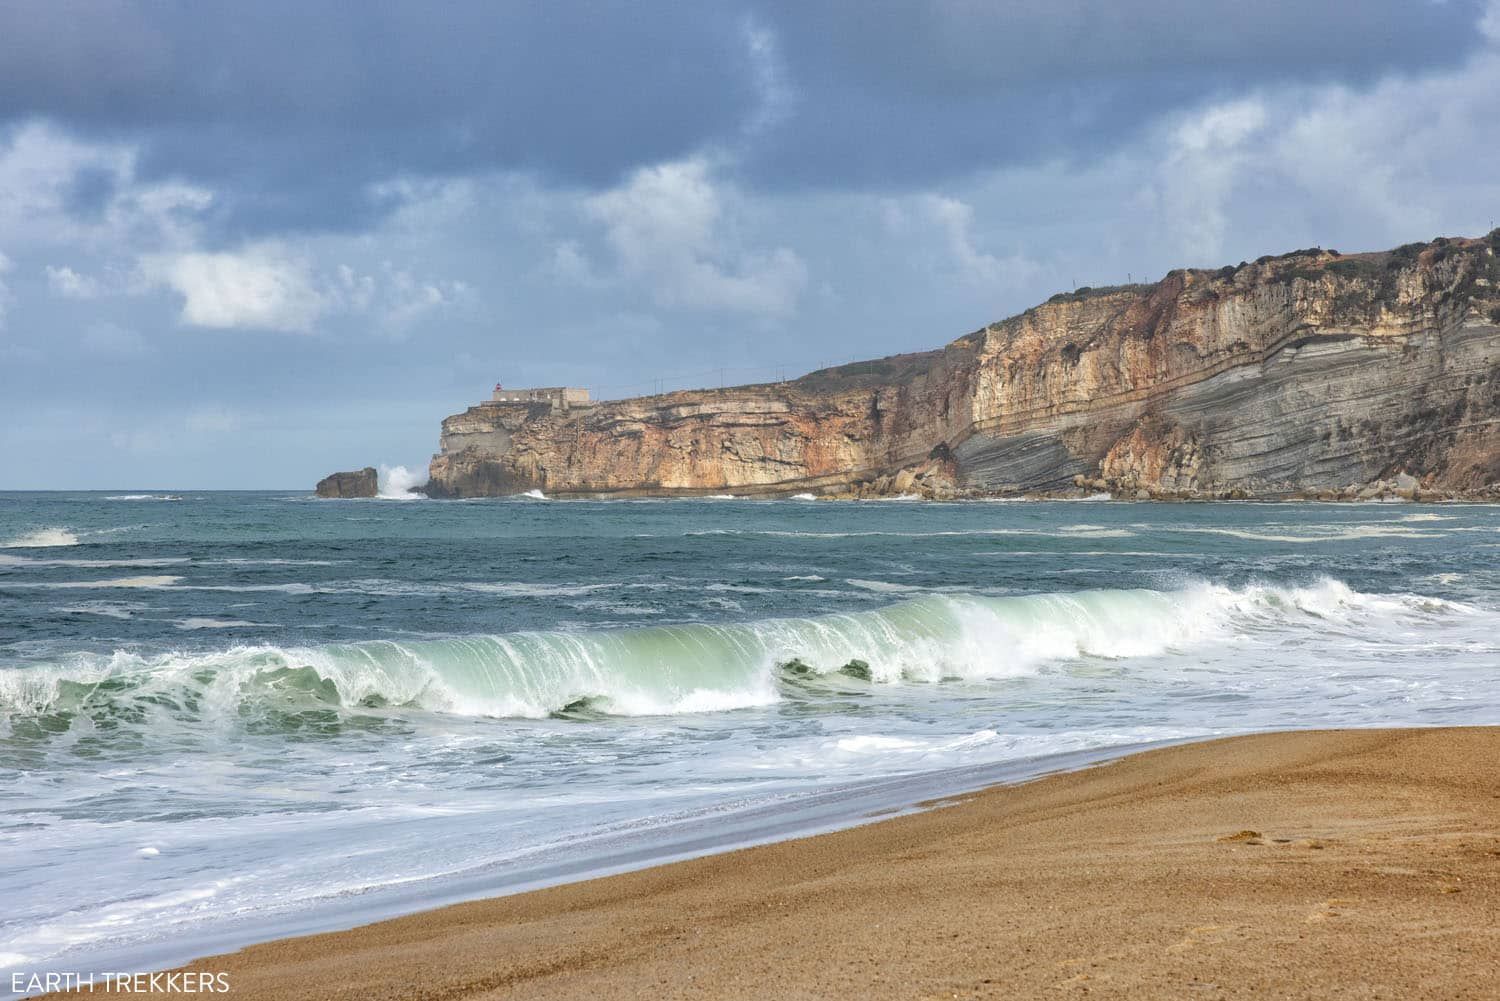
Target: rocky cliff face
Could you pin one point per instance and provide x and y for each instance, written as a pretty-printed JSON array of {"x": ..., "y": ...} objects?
[{"x": 1309, "y": 373}]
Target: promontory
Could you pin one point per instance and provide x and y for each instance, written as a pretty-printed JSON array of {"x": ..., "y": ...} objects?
[{"x": 1313, "y": 373}]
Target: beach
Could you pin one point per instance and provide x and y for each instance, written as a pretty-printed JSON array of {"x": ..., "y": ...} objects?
[
  {"x": 229, "y": 719},
  {"x": 1359, "y": 864}
]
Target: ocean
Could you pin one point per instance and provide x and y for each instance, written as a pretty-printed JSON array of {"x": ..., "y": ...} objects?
[{"x": 226, "y": 717}]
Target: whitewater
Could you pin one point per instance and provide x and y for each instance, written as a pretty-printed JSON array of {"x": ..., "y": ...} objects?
[{"x": 239, "y": 716}]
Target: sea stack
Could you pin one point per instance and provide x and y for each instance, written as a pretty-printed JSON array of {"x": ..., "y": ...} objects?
[{"x": 358, "y": 483}]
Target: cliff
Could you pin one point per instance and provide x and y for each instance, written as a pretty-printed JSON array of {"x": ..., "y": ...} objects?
[{"x": 1312, "y": 373}]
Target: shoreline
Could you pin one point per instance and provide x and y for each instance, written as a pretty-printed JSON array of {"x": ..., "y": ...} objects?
[
  {"x": 768, "y": 818},
  {"x": 1343, "y": 863}
]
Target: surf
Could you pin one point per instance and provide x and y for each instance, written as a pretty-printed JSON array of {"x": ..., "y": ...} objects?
[
  {"x": 694, "y": 667},
  {"x": 41, "y": 538}
]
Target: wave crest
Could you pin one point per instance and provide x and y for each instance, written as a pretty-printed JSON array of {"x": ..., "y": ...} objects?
[
  {"x": 41, "y": 538},
  {"x": 688, "y": 668}
]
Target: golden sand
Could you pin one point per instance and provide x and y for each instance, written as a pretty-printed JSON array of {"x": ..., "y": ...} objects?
[{"x": 1344, "y": 864}]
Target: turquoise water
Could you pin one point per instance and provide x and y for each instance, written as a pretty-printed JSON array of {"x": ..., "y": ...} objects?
[{"x": 228, "y": 716}]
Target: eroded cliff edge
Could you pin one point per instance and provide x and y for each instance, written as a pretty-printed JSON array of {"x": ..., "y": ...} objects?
[{"x": 1312, "y": 373}]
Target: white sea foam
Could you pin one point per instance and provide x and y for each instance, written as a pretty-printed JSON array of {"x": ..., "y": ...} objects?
[
  {"x": 804, "y": 497},
  {"x": 1065, "y": 532},
  {"x": 530, "y": 589},
  {"x": 1316, "y": 534},
  {"x": 713, "y": 667},
  {"x": 195, "y": 623},
  {"x": 867, "y": 744},
  {"x": 534, "y": 495},
  {"x": 41, "y": 538},
  {"x": 398, "y": 482},
  {"x": 881, "y": 586},
  {"x": 1094, "y": 532},
  {"x": 148, "y": 581},
  {"x": 7, "y": 560},
  {"x": 398, "y": 733},
  {"x": 245, "y": 561},
  {"x": 144, "y": 497}
]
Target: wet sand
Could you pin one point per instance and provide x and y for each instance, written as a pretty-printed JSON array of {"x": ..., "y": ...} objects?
[{"x": 1330, "y": 864}]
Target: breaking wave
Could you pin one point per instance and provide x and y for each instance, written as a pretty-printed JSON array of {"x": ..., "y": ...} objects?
[
  {"x": 687, "y": 668},
  {"x": 41, "y": 538},
  {"x": 398, "y": 482}
]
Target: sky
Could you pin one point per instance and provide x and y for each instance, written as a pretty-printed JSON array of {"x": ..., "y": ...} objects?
[{"x": 244, "y": 245}]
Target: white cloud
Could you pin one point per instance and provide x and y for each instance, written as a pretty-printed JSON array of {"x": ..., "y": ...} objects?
[
  {"x": 39, "y": 165},
  {"x": 1489, "y": 23},
  {"x": 667, "y": 226},
  {"x": 396, "y": 298},
  {"x": 69, "y": 284},
  {"x": 259, "y": 287},
  {"x": 1204, "y": 158},
  {"x": 266, "y": 287},
  {"x": 955, "y": 219},
  {"x": 1395, "y": 160},
  {"x": 773, "y": 87},
  {"x": 569, "y": 265}
]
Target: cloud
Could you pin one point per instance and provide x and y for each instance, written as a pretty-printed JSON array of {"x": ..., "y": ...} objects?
[
  {"x": 916, "y": 95},
  {"x": 1489, "y": 22},
  {"x": 266, "y": 287},
  {"x": 666, "y": 226},
  {"x": 293, "y": 113},
  {"x": 1205, "y": 156},
  {"x": 397, "y": 298},
  {"x": 955, "y": 219},
  {"x": 769, "y": 76},
  {"x": 1330, "y": 159},
  {"x": 259, "y": 288},
  {"x": 810, "y": 184},
  {"x": 42, "y": 170},
  {"x": 69, "y": 284}
]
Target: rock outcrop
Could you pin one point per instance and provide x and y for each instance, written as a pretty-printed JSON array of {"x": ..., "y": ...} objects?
[
  {"x": 361, "y": 483},
  {"x": 1313, "y": 373}
]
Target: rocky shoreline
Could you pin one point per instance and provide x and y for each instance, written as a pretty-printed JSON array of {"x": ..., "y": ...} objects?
[{"x": 1310, "y": 375}]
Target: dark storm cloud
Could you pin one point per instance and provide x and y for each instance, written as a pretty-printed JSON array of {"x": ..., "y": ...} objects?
[
  {"x": 292, "y": 106},
  {"x": 289, "y": 109},
  {"x": 905, "y": 93}
]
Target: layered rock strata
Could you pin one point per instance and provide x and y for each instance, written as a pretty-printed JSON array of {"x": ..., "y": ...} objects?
[{"x": 1313, "y": 373}]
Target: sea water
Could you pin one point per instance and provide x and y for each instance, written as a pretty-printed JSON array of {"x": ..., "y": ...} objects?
[{"x": 230, "y": 716}]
